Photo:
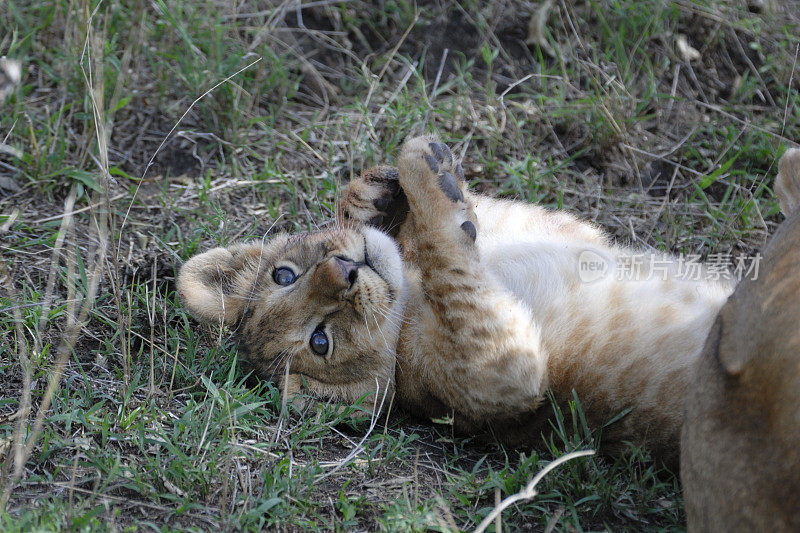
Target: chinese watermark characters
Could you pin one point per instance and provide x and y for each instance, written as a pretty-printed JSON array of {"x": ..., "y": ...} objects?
[{"x": 723, "y": 267}]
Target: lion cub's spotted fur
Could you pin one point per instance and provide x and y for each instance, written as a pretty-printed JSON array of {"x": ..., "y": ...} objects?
[{"x": 486, "y": 312}]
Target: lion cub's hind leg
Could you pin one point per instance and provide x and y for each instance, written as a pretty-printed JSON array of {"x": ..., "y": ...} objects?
[
  {"x": 787, "y": 184},
  {"x": 374, "y": 199}
]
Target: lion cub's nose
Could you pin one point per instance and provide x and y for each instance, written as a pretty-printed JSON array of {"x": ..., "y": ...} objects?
[
  {"x": 349, "y": 269},
  {"x": 335, "y": 275}
]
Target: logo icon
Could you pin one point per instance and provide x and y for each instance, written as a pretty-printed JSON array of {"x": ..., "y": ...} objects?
[{"x": 592, "y": 266}]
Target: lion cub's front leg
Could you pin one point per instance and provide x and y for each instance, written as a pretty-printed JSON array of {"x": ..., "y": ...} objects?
[
  {"x": 439, "y": 197},
  {"x": 471, "y": 348}
]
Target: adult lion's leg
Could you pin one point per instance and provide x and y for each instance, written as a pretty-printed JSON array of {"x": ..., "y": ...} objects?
[{"x": 787, "y": 184}]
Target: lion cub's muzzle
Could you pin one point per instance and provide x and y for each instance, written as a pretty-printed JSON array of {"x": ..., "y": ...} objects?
[{"x": 335, "y": 276}]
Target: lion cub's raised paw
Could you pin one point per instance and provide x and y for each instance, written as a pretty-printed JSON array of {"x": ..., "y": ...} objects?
[
  {"x": 429, "y": 169},
  {"x": 374, "y": 199}
]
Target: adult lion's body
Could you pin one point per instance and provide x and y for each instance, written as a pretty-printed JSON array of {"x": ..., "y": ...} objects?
[
  {"x": 493, "y": 304},
  {"x": 740, "y": 447}
]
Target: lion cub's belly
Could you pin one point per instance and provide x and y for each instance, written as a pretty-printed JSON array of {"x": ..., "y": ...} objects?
[
  {"x": 536, "y": 271},
  {"x": 616, "y": 342}
]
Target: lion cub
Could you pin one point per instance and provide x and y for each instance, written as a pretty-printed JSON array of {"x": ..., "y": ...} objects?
[
  {"x": 740, "y": 447},
  {"x": 464, "y": 306}
]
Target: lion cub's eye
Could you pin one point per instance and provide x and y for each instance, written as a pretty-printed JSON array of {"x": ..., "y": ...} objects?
[
  {"x": 319, "y": 342},
  {"x": 284, "y": 276}
]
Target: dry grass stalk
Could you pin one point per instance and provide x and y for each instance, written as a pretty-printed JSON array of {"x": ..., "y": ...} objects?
[
  {"x": 530, "y": 489},
  {"x": 25, "y": 446}
]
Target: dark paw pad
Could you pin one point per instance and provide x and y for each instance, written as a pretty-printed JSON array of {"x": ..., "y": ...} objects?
[
  {"x": 432, "y": 164},
  {"x": 391, "y": 192},
  {"x": 459, "y": 172},
  {"x": 382, "y": 203},
  {"x": 438, "y": 153},
  {"x": 442, "y": 153},
  {"x": 469, "y": 229},
  {"x": 393, "y": 207},
  {"x": 450, "y": 187}
]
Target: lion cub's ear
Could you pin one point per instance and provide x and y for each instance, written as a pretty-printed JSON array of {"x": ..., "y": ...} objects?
[
  {"x": 787, "y": 183},
  {"x": 214, "y": 285}
]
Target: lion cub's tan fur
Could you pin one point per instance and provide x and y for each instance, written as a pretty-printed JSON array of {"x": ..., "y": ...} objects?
[
  {"x": 489, "y": 311},
  {"x": 740, "y": 448}
]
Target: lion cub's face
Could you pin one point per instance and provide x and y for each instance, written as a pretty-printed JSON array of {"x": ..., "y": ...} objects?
[{"x": 321, "y": 309}]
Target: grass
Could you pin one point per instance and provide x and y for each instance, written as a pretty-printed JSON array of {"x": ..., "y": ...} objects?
[{"x": 119, "y": 413}]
